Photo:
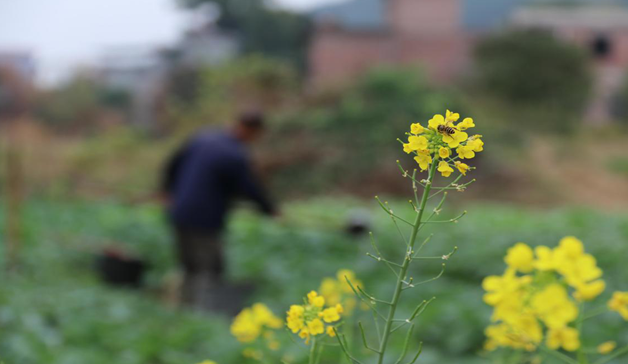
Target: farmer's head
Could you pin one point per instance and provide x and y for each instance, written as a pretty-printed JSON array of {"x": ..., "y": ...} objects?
[{"x": 249, "y": 126}]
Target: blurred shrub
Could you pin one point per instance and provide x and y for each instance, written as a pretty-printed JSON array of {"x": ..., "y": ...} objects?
[
  {"x": 80, "y": 105},
  {"x": 264, "y": 29},
  {"x": 546, "y": 81},
  {"x": 212, "y": 95},
  {"x": 348, "y": 133},
  {"x": 618, "y": 165}
]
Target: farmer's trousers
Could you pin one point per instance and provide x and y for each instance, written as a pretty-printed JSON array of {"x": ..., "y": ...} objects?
[{"x": 201, "y": 256}]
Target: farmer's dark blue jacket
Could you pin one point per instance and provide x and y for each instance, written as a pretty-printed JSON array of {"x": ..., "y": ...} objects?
[{"x": 205, "y": 176}]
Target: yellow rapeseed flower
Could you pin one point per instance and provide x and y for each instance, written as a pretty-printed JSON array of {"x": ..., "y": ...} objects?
[
  {"x": 330, "y": 315},
  {"x": 316, "y": 300},
  {"x": 534, "y": 295},
  {"x": 476, "y": 143},
  {"x": 424, "y": 159},
  {"x": 589, "y": 291},
  {"x": 316, "y": 327},
  {"x": 435, "y": 143},
  {"x": 544, "y": 258},
  {"x": 252, "y": 354},
  {"x": 619, "y": 303},
  {"x": 338, "y": 291},
  {"x": 445, "y": 169},
  {"x": 467, "y": 123},
  {"x": 455, "y": 139},
  {"x": 305, "y": 335},
  {"x": 416, "y": 128},
  {"x": 451, "y": 116},
  {"x": 500, "y": 288},
  {"x": 435, "y": 121},
  {"x": 308, "y": 320},
  {"x": 462, "y": 167},
  {"x": 417, "y": 142},
  {"x": 565, "y": 337},
  {"x": 465, "y": 152},
  {"x": 520, "y": 257},
  {"x": 553, "y": 306},
  {"x": 207, "y": 362},
  {"x": 606, "y": 347}
]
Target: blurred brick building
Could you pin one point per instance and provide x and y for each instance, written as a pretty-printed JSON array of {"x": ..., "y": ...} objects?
[
  {"x": 429, "y": 32},
  {"x": 600, "y": 28},
  {"x": 439, "y": 35}
]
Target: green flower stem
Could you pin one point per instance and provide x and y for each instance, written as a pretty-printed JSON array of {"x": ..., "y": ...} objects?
[
  {"x": 406, "y": 264},
  {"x": 594, "y": 313},
  {"x": 614, "y": 355},
  {"x": 582, "y": 357},
  {"x": 313, "y": 352},
  {"x": 559, "y": 355}
]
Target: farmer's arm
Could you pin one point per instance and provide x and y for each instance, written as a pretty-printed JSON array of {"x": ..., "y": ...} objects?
[
  {"x": 250, "y": 187},
  {"x": 171, "y": 173}
]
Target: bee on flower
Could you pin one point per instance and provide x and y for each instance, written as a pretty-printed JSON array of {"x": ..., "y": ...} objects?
[
  {"x": 440, "y": 139},
  {"x": 314, "y": 318}
]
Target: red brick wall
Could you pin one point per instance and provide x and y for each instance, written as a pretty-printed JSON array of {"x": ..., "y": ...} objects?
[
  {"x": 338, "y": 56},
  {"x": 422, "y": 32},
  {"x": 425, "y": 17}
]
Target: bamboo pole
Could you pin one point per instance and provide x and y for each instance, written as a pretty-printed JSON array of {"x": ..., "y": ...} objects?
[{"x": 14, "y": 197}]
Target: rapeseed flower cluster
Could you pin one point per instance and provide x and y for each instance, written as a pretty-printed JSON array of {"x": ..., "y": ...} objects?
[
  {"x": 619, "y": 303},
  {"x": 532, "y": 298},
  {"x": 313, "y": 318},
  {"x": 439, "y": 141},
  {"x": 256, "y": 322},
  {"x": 338, "y": 291}
]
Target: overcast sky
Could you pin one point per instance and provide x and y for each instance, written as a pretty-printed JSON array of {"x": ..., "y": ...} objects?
[{"x": 65, "y": 33}]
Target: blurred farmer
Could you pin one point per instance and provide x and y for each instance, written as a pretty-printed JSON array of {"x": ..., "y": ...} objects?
[{"x": 201, "y": 182}]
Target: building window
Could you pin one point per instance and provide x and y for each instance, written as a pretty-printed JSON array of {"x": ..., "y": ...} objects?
[{"x": 601, "y": 46}]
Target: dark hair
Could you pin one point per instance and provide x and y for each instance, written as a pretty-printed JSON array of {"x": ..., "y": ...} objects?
[{"x": 252, "y": 119}]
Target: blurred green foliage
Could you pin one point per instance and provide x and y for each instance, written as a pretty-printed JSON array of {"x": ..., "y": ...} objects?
[
  {"x": 214, "y": 95},
  {"x": 618, "y": 165},
  {"x": 546, "y": 81},
  {"x": 77, "y": 105},
  {"x": 262, "y": 29},
  {"x": 348, "y": 132},
  {"x": 56, "y": 311}
]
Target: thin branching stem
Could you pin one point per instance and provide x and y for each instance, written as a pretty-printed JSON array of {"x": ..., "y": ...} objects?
[
  {"x": 364, "y": 341},
  {"x": 380, "y": 254},
  {"x": 455, "y": 219},
  {"x": 368, "y": 303},
  {"x": 381, "y": 259},
  {"x": 379, "y": 334},
  {"x": 406, "y": 344},
  {"x": 441, "y": 189},
  {"x": 559, "y": 355},
  {"x": 417, "y": 354},
  {"x": 343, "y": 346},
  {"x": 403, "y": 237},
  {"x": 370, "y": 297},
  {"x": 442, "y": 270},
  {"x": 406, "y": 264}
]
